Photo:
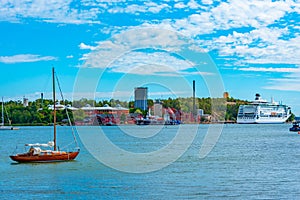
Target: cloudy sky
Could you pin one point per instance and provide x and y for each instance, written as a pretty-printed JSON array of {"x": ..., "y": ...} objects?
[{"x": 242, "y": 47}]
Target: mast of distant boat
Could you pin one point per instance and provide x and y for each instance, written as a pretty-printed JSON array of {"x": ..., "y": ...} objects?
[
  {"x": 54, "y": 107},
  {"x": 2, "y": 117}
]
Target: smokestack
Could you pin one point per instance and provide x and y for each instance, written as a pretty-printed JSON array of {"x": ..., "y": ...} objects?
[{"x": 42, "y": 99}]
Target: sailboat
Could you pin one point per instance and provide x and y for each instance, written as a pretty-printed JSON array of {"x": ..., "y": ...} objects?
[
  {"x": 37, "y": 154},
  {"x": 2, "y": 126}
]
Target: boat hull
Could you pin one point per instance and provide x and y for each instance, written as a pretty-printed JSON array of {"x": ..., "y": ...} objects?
[
  {"x": 26, "y": 158},
  {"x": 295, "y": 129},
  {"x": 6, "y": 128},
  {"x": 262, "y": 121}
]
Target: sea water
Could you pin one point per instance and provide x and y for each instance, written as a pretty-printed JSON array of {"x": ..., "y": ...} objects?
[{"x": 248, "y": 161}]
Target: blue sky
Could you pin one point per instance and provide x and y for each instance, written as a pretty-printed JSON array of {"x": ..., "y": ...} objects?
[{"x": 254, "y": 47}]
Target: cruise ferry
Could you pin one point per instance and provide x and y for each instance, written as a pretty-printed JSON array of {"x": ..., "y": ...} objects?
[{"x": 262, "y": 112}]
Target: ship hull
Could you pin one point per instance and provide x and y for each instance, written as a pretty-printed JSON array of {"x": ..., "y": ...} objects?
[
  {"x": 259, "y": 122},
  {"x": 262, "y": 121},
  {"x": 26, "y": 158}
]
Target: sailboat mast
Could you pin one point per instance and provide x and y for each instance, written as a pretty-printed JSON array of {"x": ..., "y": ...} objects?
[
  {"x": 2, "y": 117},
  {"x": 54, "y": 109}
]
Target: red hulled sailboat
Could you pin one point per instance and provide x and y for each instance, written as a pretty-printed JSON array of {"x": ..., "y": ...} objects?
[{"x": 36, "y": 152}]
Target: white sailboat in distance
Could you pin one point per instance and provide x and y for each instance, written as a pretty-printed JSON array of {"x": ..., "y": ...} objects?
[{"x": 2, "y": 125}]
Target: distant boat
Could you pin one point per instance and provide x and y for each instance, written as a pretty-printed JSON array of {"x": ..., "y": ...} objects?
[
  {"x": 37, "y": 154},
  {"x": 262, "y": 112},
  {"x": 2, "y": 126},
  {"x": 296, "y": 127}
]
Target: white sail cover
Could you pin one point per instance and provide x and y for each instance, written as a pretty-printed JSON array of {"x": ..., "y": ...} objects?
[{"x": 49, "y": 144}]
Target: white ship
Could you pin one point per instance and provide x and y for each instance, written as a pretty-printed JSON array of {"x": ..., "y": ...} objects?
[{"x": 262, "y": 112}]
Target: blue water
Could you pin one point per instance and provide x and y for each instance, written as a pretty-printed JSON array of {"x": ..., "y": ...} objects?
[{"x": 248, "y": 161}]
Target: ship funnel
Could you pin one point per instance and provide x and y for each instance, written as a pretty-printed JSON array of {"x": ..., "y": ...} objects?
[{"x": 257, "y": 96}]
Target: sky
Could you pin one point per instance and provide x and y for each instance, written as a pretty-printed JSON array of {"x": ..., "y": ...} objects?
[{"x": 103, "y": 49}]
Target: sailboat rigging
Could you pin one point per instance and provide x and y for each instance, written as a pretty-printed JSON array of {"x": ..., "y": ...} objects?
[
  {"x": 36, "y": 154},
  {"x": 2, "y": 126}
]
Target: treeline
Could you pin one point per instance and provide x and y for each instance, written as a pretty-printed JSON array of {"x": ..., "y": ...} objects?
[{"x": 38, "y": 113}]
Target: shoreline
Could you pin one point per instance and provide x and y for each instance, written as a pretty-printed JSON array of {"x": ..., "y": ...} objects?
[{"x": 34, "y": 124}]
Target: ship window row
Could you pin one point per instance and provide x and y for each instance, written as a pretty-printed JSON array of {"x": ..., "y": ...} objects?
[
  {"x": 246, "y": 115},
  {"x": 271, "y": 115}
]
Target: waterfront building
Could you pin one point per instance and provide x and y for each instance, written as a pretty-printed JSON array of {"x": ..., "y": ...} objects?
[
  {"x": 140, "y": 98},
  {"x": 200, "y": 112},
  {"x": 105, "y": 115},
  {"x": 158, "y": 109}
]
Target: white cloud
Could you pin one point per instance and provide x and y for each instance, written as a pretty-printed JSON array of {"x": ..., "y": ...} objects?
[
  {"x": 270, "y": 69},
  {"x": 22, "y": 58},
  {"x": 236, "y": 13},
  {"x": 193, "y": 4},
  {"x": 144, "y": 63},
  {"x": 231, "y": 14},
  {"x": 208, "y": 2},
  {"x": 263, "y": 45},
  {"x": 145, "y": 7},
  {"x": 284, "y": 84},
  {"x": 154, "y": 7},
  {"x": 289, "y": 82},
  {"x": 151, "y": 37},
  {"x": 85, "y": 46},
  {"x": 54, "y": 11},
  {"x": 71, "y": 21},
  {"x": 226, "y": 15},
  {"x": 147, "y": 51},
  {"x": 180, "y": 5}
]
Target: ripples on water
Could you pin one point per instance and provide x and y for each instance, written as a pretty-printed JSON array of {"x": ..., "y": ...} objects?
[{"x": 249, "y": 161}]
